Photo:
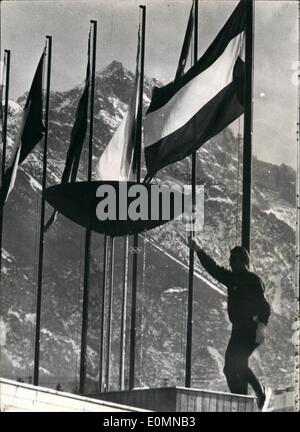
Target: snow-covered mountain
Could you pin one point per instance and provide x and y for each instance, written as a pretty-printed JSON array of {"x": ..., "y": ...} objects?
[{"x": 163, "y": 278}]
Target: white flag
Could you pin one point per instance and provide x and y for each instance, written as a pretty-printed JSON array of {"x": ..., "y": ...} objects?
[{"x": 116, "y": 162}]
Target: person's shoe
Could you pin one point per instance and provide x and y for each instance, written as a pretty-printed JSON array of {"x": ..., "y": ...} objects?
[
  {"x": 261, "y": 399},
  {"x": 264, "y": 399}
]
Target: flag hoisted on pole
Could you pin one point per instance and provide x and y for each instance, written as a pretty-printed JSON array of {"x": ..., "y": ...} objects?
[
  {"x": 137, "y": 171},
  {"x": 136, "y": 167},
  {"x": 31, "y": 132},
  {"x": 210, "y": 94},
  {"x": 78, "y": 135},
  {"x": 189, "y": 327},
  {"x": 3, "y": 121},
  {"x": 247, "y": 150},
  {"x": 120, "y": 161},
  {"x": 42, "y": 218},
  {"x": 88, "y": 233}
]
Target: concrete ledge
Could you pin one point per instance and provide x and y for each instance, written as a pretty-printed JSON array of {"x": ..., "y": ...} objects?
[{"x": 18, "y": 397}]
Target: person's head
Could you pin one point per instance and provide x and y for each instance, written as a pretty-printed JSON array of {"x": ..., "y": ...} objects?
[{"x": 239, "y": 259}]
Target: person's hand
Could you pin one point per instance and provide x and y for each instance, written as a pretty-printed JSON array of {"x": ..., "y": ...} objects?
[
  {"x": 193, "y": 244},
  {"x": 260, "y": 333}
]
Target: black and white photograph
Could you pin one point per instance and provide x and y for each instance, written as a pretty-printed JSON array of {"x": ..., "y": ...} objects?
[{"x": 149, "y": 207}]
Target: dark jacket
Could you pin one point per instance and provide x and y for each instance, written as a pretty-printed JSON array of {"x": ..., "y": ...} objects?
[{"x": 246, "y": 298}]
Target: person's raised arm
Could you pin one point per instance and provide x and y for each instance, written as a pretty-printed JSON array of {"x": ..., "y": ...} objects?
[{"x": 219, "y": 273}]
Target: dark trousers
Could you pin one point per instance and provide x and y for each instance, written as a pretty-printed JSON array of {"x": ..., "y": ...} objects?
[{"x": 237, "y": 371}]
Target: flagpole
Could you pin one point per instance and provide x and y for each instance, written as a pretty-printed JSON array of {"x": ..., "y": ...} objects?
[
  {"x": 109, "y": 319},
  {"x": 101, "y": 355},
  {"x": 138, "y": 146},
  {"x": 42, "y": 223},
  {"x": 4, "y": 141},
  {"x": 123, "y": 316},
  {"x": 88, "y": 233},
  {"x": 247, "y": 152},
  {"x": 297, "y": 239},
  {"x": 189, "y": 332}
]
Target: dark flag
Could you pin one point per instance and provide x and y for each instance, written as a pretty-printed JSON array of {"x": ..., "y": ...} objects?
[
  {"x": 1, "y": 95},
  {"x": 78, "y": 135},
  {"x": 186, "y": 45},
  {"x": 31, "y": 131},
  {"x": 187, "y": 112}
]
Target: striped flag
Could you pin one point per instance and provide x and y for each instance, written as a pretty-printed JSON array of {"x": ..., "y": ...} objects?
[
  {"x": 31, "y": 131},
  {"x": 78, "y": 135},
  {"x": 117, "y": 160},
  {"x": 187, "y": 112}
]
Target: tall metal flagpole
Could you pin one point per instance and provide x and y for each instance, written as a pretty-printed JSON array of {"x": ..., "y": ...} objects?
[
  {"x": 297, "y": 266},
  {"x": 247, "y": 152},
  {"x": 138, "y": 146},
  {"x": 104, "y": 281},
  {"x": 189, "y": 334},
  {"x": 109, "y": 318},
  {"x": 88, "y": 233},
  {"x": 4, "y": 142},
  {"x": 42, "y": 223},
  {"x": 123, "y": 316}
]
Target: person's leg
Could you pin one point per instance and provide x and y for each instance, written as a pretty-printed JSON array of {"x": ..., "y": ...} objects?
[
  {"x": 231, "y": 367},
  {"x": 237, "y": 371},
  {"x": 242, "y": 368},
  {"x": 255, "y": 384},
  {"x": 248, "y": 345}
]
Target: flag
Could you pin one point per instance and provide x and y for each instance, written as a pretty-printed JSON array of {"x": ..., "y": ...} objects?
[
  {"x": 186, "y": 45},
  {"x": 187, "y": 112},
  {"x": 2, "y": 72},
  {"x": 117, "y": 160},
  {"x": 79, "y": 129},
  {"x": 78, "y": 134},
  {"x": 31, "y": 131}
]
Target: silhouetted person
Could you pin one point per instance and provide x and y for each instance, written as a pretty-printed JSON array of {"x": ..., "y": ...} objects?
[{"x": 248, "y": 312}]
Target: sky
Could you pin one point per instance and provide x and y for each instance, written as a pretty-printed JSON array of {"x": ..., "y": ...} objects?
[{"x": 24, "y": 25}]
